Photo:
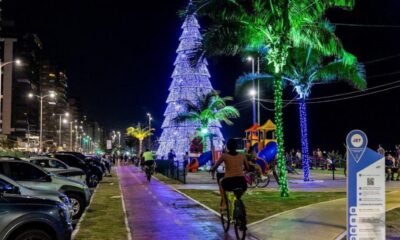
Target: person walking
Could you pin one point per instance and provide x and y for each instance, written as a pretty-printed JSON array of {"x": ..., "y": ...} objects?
[
  {"x": 171, "y": 155},
  {"x": 381, "y": 150}
]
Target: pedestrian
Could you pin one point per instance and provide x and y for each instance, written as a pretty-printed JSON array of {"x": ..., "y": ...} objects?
[
  {"x": 171, "y": 155},
  {"x": 381, "y": 150}
]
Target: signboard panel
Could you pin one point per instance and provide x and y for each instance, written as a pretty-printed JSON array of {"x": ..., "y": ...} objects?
[
  {"x": 109, "y": 145},
  {"x": 365, "y": 189}
]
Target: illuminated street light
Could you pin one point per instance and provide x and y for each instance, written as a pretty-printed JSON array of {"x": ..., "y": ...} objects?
[{"x": 52, "y": 95}]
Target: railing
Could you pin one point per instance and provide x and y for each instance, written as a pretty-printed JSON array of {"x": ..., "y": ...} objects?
[{"x": 172, "y": 169}]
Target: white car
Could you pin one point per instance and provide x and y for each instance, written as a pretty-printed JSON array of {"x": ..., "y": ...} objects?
[{"x": 58, "y": 167}]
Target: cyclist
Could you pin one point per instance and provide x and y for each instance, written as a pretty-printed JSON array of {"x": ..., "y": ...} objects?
[
  {"x": 148, "y": 158},
  {"x": 252, "y": 160},
  {"x": 235, "y": 163}
]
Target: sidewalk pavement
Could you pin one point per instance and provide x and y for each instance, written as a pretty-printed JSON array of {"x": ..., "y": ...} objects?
[
  {"x": 326, "y": 220},
  {"x": 156, "y": 211},
  {"x": 324, "y": 183}
]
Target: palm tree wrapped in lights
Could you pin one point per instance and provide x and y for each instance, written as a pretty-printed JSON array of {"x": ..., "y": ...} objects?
[
  {"x": 279, "y": 25},
  {"x": 305, "y": 68},
  {"x": 211, "y": 108},
  {"x": 140, "y": 134}
]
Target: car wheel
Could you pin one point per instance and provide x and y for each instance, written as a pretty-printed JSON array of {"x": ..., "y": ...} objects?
[
  {"x": 78, "y": 205},
  {"x": 33, "y": 234},
  {"x": 93, "y": 180}
]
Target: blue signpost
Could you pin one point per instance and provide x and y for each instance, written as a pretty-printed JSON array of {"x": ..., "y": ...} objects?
[{"x": 365, "y": 189}]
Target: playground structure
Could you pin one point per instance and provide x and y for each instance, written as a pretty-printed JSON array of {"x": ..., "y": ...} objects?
[{"x": 261, "y": 138}]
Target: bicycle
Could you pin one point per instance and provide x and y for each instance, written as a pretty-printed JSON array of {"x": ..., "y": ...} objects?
[
  {"x": 254, "y": 180},
  {"x": 149, "y": 170},
  {"x": 235, "y": 213}
]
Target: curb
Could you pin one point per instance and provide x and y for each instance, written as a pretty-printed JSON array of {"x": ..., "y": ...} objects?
[
  {"x": 128, "y": 230},
  {"x": 78, "y": 225}
]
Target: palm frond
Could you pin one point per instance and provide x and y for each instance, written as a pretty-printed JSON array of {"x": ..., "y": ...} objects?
[
  {"x": 246, "y": 80},
  {"x": 338, "y": 70}
]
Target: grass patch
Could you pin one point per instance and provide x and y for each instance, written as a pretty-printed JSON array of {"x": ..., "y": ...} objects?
[
  {"x": 393, "y": 223},
  {"x": 105, "y": 217},
  {"x": 165, "y": 179},
  {"x": 272, "y": 202}
]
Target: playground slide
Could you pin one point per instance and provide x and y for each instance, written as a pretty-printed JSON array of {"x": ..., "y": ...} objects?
[
  {"x": 268, "y": 152},
  {"x": 204, "y": 158}
]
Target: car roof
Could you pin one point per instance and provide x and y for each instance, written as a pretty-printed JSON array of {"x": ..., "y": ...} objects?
[{"x": 40, "y": 158}]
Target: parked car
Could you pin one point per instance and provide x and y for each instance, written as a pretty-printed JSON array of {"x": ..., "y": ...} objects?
[
  {"x": 26, "y": 218},
  {"x": 30, "y": 175},
  {"x": 58, "y": 167},
  {"x": 93, "y": 173},
  {"x": 26, "y": 191},
  {"x": 88, "y": 158}
]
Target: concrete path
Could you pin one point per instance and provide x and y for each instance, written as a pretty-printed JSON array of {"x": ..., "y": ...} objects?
[
  {"x": 156, "y": 211},
  {"x": 326, "y": 220}
]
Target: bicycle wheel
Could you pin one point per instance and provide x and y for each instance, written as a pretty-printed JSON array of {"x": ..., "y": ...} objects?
[
  {"x": 240, "y": 220},
  {"x": 225, "y": 218},
  {"x": 250, "y": 179},
  {"x": 263, "y": 182}
]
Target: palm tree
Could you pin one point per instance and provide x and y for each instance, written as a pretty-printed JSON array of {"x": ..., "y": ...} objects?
[
  {"x": 279, "y": 25},
  {"x": 140, "y": 134},
  {"x": 210, "y": 108},
  {"x": 305, "y": 68}
]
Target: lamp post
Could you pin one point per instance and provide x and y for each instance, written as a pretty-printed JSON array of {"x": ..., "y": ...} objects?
[
  {"x": 61, "y": 121},
  {"x": 119, "y": 139},
  {"x": 150, "y": 118},
  {"x": 52, "y": 95},
  {"x": 18, "y": 63},
  {"x": 253, "y": 91},
  {"x": 257, "y": 90}
]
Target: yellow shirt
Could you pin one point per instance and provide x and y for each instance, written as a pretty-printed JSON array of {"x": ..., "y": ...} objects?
[{"x": 148, "y": 156}]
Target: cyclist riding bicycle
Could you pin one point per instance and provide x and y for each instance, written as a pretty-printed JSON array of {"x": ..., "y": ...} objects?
[
  {"x": 253, "y": 166},
  {"x": 235, "y": 163},
  {"x": 148, "y": 158}
]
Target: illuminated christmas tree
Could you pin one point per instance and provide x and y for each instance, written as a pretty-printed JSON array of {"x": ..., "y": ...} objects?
[{"x": 188, "y": 84}]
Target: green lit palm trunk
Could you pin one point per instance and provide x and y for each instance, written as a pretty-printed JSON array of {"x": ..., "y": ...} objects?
[
  {"x": 304, "y": 139},
  {"x": 278, "y": 91}
]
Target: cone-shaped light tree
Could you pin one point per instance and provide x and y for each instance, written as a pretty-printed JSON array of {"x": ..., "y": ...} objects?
[{"x": 188, "y": 82}]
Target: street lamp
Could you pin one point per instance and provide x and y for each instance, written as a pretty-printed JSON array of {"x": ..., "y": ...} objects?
[
  {"x": 3, "y": 64},
  {"x": 256, "y": 116},
  {"x": 119, "y": 139},
  {"x": 65, "y": 121},
  {"x": 41, "y": 97},
  {"x": 150, "y": 119}
]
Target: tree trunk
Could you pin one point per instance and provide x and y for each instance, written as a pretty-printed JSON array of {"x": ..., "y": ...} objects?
[
  {"x": 304, "y": 139},
  {"x": 140, "y": 146},
  {"x": 278, "y": 91}
]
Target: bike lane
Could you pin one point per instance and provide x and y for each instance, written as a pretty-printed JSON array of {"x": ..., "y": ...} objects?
[{"x": 155, "y": 211}]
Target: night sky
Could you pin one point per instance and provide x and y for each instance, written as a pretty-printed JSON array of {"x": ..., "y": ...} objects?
[{"x": 119, "y": 58}]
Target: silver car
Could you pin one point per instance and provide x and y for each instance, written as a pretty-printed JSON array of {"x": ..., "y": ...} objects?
[
  {"x": 58, "y": 167},
  {"x": 34, "y": 192}
]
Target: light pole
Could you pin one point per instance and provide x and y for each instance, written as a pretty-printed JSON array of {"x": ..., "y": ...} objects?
[
  {"x": 18, "y": 63},
  {"x": 61, "y": 121},
  {"x": 52, "y": 95},
  {"x": 150, "y": 118},
  {"x": 253, "y": 92},
  {"x": 119, "y": 139},
  {"x": 257, "y": 94}
]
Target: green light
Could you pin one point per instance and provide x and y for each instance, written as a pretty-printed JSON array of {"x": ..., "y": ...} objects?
[{"x": 278, "y": 89}]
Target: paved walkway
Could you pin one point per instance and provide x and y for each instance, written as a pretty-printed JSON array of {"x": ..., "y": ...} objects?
[
  {"x": 155, "y": 211},
  {"x": 326, "y": 220}
]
